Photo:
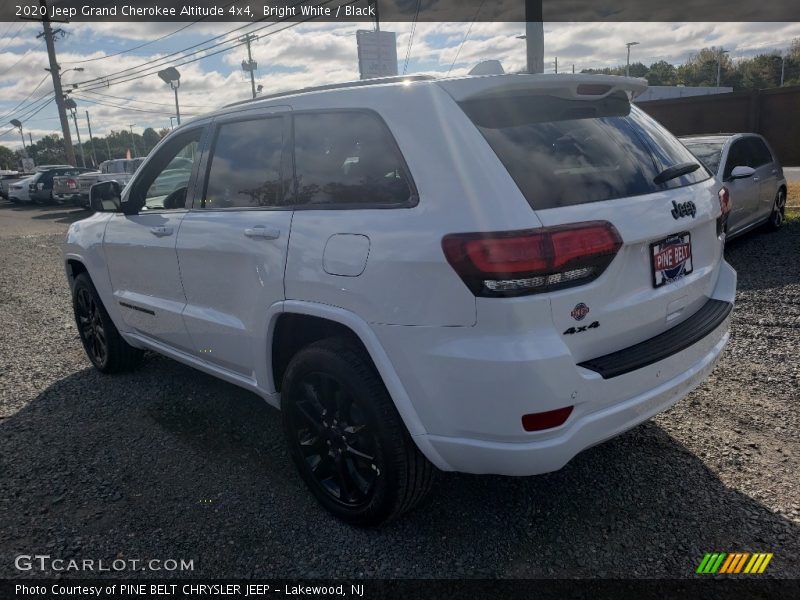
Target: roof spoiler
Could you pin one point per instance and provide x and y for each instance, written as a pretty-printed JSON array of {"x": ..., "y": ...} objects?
[{"x": 577, "y": 87}]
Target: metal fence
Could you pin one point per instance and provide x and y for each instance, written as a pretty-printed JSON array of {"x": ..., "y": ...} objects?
[{"x": 774, "y": 113}]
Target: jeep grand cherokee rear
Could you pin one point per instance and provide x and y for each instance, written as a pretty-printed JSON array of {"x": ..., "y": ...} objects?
[{"x": 486, "y": 274}]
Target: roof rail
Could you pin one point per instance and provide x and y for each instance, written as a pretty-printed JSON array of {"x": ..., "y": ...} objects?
[{"x": 336, "y": 86}]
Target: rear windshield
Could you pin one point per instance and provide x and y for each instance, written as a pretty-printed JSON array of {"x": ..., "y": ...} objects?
[
  {"x": 708, "y": 152},
  {"x": 563, "y": 152}
]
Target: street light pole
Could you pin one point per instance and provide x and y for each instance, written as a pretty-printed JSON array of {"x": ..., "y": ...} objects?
[
  {"x": 21, "y": 135},
  {"x": 171, "y": 76},
  {"x": 719, "y": 65},
  {"x": 175, "y": 87},
  {"x": 628, "y": 60},
  {"x": 133, "y": 140}
]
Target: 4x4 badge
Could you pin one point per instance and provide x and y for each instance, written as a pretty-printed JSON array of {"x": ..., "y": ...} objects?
[{"x": 574, "y": 330}]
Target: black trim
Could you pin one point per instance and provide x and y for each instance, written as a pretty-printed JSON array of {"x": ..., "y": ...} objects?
[
  {"x": 137, "y": 308},
  {"x": 664, "y": 345}
]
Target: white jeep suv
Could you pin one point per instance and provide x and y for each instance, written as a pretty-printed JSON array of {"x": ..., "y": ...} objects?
[{"x": 482, "y": 274}]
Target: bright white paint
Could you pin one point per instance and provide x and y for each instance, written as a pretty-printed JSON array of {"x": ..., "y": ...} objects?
[{"x": 460, "y": 369}]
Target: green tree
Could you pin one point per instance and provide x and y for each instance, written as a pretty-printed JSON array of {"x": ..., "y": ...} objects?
[
  {"x": 8, "y": 159},
  {"x": 50, "y": 150},
  {"x": 150, "y": 138},
  {"x": 637, "y": 69},
  {"x": 661, "y": 73},
  {"x": 701, "y": 68},
  {"x": 760, "y": 72}
]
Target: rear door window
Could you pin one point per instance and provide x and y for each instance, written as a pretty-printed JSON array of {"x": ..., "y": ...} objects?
[
  {"x": 246, "y": 165},
  {"x": 739, "y": 155},
  {"x": 562, "y": 152},
  {"x": 759, "y": 152},
  {"x": 348, "y": 159}
]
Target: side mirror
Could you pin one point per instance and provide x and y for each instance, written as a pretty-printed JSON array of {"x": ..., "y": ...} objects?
[
  {"x": 105, "y": 196},
  {"x": 742, "y": 172}
]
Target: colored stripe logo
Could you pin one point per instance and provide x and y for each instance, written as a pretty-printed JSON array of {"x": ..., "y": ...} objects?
[{"x": 734, "y": 563}]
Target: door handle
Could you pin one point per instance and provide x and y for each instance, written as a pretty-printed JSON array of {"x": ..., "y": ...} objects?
[
  {"x": 756, "y": 179},
  {"x": 161, "y": 231},
  {"x": 774, "y": 171},
  {"x": 265, "y": 233}
]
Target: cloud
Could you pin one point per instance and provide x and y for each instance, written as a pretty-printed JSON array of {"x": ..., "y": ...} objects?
[{"x": 303, "y": 55}]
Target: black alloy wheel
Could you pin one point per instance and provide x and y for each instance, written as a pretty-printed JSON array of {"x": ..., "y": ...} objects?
[{"x": 90, "y": 326}]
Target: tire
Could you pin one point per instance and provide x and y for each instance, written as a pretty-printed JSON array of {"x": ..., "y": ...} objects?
[
  {"x": 346, "y": 437},
  {"x": 101, "y": 340},
  {"x": 778, "y": 215}
]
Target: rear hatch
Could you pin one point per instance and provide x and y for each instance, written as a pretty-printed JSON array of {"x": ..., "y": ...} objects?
[
  {"x": 65, "y": 185},
  {"x": 580, "y": 153}
]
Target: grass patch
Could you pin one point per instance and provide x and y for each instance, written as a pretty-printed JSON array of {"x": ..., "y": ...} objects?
[{"x": 793, "y": 196}]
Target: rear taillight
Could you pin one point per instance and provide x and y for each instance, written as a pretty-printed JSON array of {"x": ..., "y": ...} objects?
[
  {"x": 516, "y": 263},
  {"x": 725, "y": 210}
]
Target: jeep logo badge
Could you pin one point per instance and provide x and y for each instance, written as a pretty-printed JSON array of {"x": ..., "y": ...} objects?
[{"x": 683, "y": 210}]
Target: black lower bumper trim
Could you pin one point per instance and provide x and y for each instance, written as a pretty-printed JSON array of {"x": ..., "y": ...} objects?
[{"x": 664, "y": 345}]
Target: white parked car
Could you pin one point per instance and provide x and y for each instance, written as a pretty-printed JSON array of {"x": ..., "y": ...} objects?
[
  {"x": 19, "y": 191},
  {"x": 747, "y": 169},
  {"x": 482, "y": 274}
]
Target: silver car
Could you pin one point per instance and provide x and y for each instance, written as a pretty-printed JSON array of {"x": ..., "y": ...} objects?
[{"x": 746, "y": 166}]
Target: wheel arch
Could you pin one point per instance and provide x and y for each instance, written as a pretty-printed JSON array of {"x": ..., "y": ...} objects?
[
  {"x": 337, "y": 321},
  {"x": 74, "y": 267}
]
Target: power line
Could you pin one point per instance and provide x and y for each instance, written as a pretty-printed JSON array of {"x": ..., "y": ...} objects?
[
  {"x": 142, "y": 101},
  {"x": 163, "y": 37},
  {"x": 119, "y": 77},
  {"x": 465, "y": 36},
  {"x": 131, "y": 108},
  {"x": 13, "y": 37},
  {"x": 10, "y": 112},
  {"x": 411, "y": 37},
  {"x": 28, "y": 51},
  {"x": 147, "y": 74}
]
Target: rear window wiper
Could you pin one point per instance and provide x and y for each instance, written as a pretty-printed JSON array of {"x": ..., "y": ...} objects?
[{"x": 675, "y": 171}]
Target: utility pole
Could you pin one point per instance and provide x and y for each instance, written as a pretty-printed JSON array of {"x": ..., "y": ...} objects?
[
  {"x": 250, "y": 65},
  {"x": 133, "y": 140},
  {"x": 783, "y": 67},
  {"x": 108, "y": 149},
  {"x": 556, "y": 65},
  {"x": 573, "y": 68},
  {"x": 33, "y": 150},
  {"x": 534, "y": 36},
  {"x": 91, "y": 139},
  {"x": 55, "y": 72}
]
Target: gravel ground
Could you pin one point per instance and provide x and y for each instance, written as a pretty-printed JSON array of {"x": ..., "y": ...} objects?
[{"x": 170, "y": 463}]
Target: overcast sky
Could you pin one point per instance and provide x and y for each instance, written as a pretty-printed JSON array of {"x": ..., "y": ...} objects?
[{"x": 307, "y": 54}]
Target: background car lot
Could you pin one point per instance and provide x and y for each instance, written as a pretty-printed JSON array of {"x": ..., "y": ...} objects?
[{"x": 168, "y": 462}]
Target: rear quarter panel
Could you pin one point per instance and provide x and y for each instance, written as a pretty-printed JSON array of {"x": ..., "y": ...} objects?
[{"x": 462, "y": 187}]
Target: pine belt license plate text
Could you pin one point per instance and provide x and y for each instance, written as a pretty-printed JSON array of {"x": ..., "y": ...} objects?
[{"x": 671, "y": 258}]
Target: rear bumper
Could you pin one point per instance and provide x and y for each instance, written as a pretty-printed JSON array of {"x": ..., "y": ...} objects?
[
  {"x": 552, "y": 453},
  {"x": 471, "y": 388}
]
